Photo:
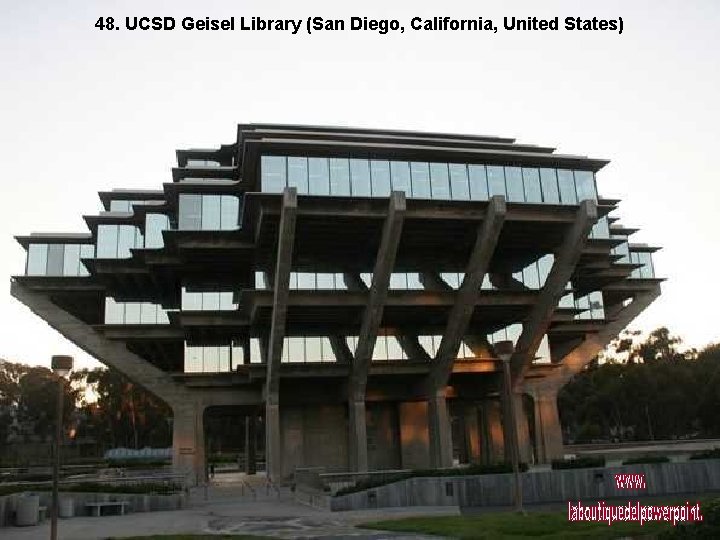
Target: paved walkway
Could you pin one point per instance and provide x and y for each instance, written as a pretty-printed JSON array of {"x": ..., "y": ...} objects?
[{"x": 225, "y": 514}]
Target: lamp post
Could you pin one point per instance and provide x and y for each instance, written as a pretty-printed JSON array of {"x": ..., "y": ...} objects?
[
  {"x": 61, "y": 365},
  {"x": 504, "y": 351}
]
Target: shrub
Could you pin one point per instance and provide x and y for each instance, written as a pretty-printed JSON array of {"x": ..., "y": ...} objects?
[
  {"x": 578, "y": 463},
  {"x": 709, "y": 527},
  {"x": 158, "y": 488},
  {"x": 475, "y": 469},
  {"x": 646, "y": 459},
  {"x": 137, "y": 463}
]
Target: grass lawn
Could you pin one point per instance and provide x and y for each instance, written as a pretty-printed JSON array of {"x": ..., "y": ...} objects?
[
  {"x": 510, "y": 525},
  {"x": 197, "y": 537}
]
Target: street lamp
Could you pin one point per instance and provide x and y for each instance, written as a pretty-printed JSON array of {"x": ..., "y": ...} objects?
[
  {"x": 61, "y": 365},
  {"x": 504, "y": 350}
]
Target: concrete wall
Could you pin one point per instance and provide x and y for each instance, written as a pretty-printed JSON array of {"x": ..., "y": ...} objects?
[
  {"x": 589, "y": 485},
  {"x": 313, "y": 436},
  {"x": 414, "y": 435},
  {"x": 138, "y": 502},
  {"x": 383, "y": 436}
]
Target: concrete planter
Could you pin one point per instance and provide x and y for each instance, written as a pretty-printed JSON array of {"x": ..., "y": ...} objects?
[
  {"x": 538, "y": 487},
  {"x": 75, "y": 503},
  {"x": 27, "y": 510}
]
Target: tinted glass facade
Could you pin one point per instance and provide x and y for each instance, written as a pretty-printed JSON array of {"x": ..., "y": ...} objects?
[{"x": 58, "y": 259}]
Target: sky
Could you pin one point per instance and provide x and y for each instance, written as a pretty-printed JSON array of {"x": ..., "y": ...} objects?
[{"x": 84, "y": 110}]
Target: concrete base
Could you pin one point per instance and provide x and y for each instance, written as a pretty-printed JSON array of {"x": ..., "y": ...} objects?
[{"x": 189, "y": 443}]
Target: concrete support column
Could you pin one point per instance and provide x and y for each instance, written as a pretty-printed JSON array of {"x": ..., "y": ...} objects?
[
  {"x": 273, "y": 442},
  {"x": 548, "y": 430},
  {"x": 439, "y": 428},
  {"x": 523, "y": 430},
  {"x": 493, "y": 442},
  {"x": 189, "y": 443},
  {"x": 250, "y": 437},
  {"x": 357, "y": 431},
  {"x": 472, "y": 433}
]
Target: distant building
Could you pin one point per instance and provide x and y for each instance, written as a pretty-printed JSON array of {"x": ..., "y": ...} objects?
[{"x": 347, "y": 286}]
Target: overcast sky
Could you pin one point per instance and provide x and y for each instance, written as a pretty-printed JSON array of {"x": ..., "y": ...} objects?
[{"x": 84, "y": 110}]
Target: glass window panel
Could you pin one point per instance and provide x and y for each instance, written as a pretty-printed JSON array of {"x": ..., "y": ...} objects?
[
  {"x": 439, "y": 181},
  {"x": 339, "y": 176},
  {"x": 191, "y": 300},
  {"x": 306, "y": 280},
  {"x": 148, "y": 313},
  {"x": 224, "y": 358},
  {"x": 514, "y": 183},
  {"x": 413, "y": 281},
  {"x": 513, "y": 332},
  {"x": 154, "y": 225},
  {"x": 327, "y": 352},
  {"x": 420, "y": 176},
  {"x": 496, "y": 180},
  {"x": 647, "y": 271},
  {"x": 596, "y": 305},
  {"x": 71, "y": 260},
  {"x": 318, "y": 176},
  {"x": 229, "y": 208},
  {"x": 325, "y": 280},
  {"x": 255, "y": 356},
  {"x": 238, "y": 355},
  {"x": 162, "y": 316},
  {"x": 37, "y": 259},
  {"x": 87, "y": 251},
  {"x": 55, "y": 259},
  {"x": 107, "y": 236},
  {"x": 426, "y": 342},
  {"x": 132, "y": 312},
  {"x": 226, "y": 301},
  {"x": 544, "y": 266},
  {"x": 380, "y": 350},
  {"x": 394, "y": 350},
  {"x": 120, "y": 206},
  {"x": 366, "y": 278},
  {"x": 193, "y": 359},
  {"x": 126, "y": 241},
  {"x": 583, "y": 304},
  {"x": 273, "y": 175},
  {"x": 313, "y": 349},
  {"x": 398, "y": 280},
  {"x": 298, "y": 174},
  {"x": 543, "y": 352},
  {"x": 548, "y": 180},
  {"x": 211, "y": 300},
  {"x": 114, "y": 312},
  {"x": 189, "y": 212},
  {"x": 585, "y": 185},
  {"x": 567, "y": 301},
  {"x": 360, "y": 177},
  {"x": 400, "y": 176},
  {"x": 530, "y": 276},
  {"x": 340, "y": 281},
  {"x": 352, "y": 343},
  {"x": 486, "y": 285},
  {"x": 478, "y": 183},
  {"x": 601, "y": 229},
  {"x": 459, "y": 185},
  {"x": 260, "y": 280},
  {"x": 531, "y": 183},
  {"x": 139, "y": 241},
  {"x": 296, "y": 349},
  {"x": 566, "y": 183},
  {"x": 380, "y": 178},
  {"x": 451, "y": 278},
  {"x": 211, "y": 359},
  {"x": 211, "y": 212}
]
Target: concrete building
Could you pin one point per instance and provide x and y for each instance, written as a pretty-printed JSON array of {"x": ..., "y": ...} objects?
[{"x": 346, "y": 286}]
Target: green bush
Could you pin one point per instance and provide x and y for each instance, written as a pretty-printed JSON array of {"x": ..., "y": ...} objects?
[
  {"x": 578, "y": 463},
  {"x": 646, "y": 459},
  {"x": 707, "y": 454},
  {"x": 498, "y": 468},
  {"x": 158, "y": 488},
  {"x": 708, "y": 528}
]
